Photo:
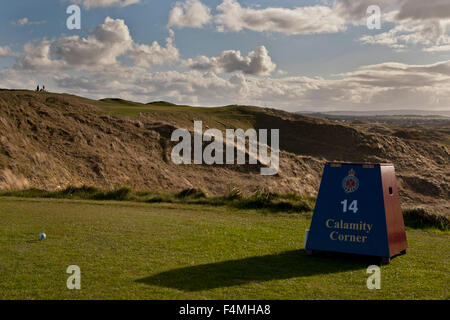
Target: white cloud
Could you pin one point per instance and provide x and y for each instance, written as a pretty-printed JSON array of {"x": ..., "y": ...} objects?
[
  {"x": 37, "y": 57},
  {"x": 108, "y": 62},
  {"x": 191, "y": 13},
  {"x": 5, "y": 51},
  {"x": 192, "y": 87},
  {"x": 426, "y": 34},
  {"x": 91, "y": 4},
  {"x": 399, "y": 75},
  {"x": 355, "y": 12},
  {"x": 423, "y": 10},
  {"x": 257, "y": 62},
  {"x": 388, "y": 85},
  {"x": 302, "y": 20},
  {"x": 416, "y": 23},
  {"x": 21, "y": 22},
  {"x": 102, "y": 48},
  {"x": 25, "y": 21},
  {"x": 438, "y": 48},
  {"x": 147, "y": 56},
  {"x": 382, "y": 86},
  {"x": 13, "y": 79}
]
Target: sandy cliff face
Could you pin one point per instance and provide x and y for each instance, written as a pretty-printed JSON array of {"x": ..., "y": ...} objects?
[{"x": 50, "y": 141}]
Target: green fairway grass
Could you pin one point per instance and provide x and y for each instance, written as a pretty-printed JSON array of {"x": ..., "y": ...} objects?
[{"x": 132, "y": 250}]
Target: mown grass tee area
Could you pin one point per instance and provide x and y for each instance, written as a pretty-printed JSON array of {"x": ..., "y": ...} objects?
[{"x": 181, "y": 250}]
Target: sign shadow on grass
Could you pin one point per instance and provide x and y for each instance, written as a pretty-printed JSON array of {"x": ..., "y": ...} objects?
[{"x": 285, "y": 265}]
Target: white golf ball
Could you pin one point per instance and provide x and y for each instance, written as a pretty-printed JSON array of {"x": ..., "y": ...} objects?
[{"x": 42, "y": 236}]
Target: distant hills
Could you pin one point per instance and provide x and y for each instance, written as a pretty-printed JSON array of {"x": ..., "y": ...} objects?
[
  {"x": 162, "y": 103},
  {"x": 409, "y": 112},
  {"x": 132, "y": 103}
]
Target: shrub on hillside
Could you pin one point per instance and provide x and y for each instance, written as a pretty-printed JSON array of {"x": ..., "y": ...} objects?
[
  {"x": 421, "y": 217},
  {"x": 191, "y": 193},
  {"x": 120, "y": 194}
]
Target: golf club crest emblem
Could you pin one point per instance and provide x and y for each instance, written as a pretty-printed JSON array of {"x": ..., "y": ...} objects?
[{"x": 350, "y": 183}]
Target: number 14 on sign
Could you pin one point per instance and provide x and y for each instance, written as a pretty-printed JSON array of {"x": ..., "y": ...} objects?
[{"x": 352, "y": 207}]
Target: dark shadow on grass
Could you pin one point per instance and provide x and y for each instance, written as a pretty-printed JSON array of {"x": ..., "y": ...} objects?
[{"x": 285, "y": 265}]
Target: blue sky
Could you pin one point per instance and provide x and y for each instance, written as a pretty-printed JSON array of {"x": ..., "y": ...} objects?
[{"x": 286, "y": 54}]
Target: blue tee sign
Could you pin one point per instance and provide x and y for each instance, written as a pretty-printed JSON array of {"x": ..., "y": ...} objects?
[{"x": 350, "y": 214}]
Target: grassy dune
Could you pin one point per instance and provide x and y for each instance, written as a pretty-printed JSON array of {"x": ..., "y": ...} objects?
[
  {"x": 234, "y": 115},
  {"x": 131, "y": 250}
]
